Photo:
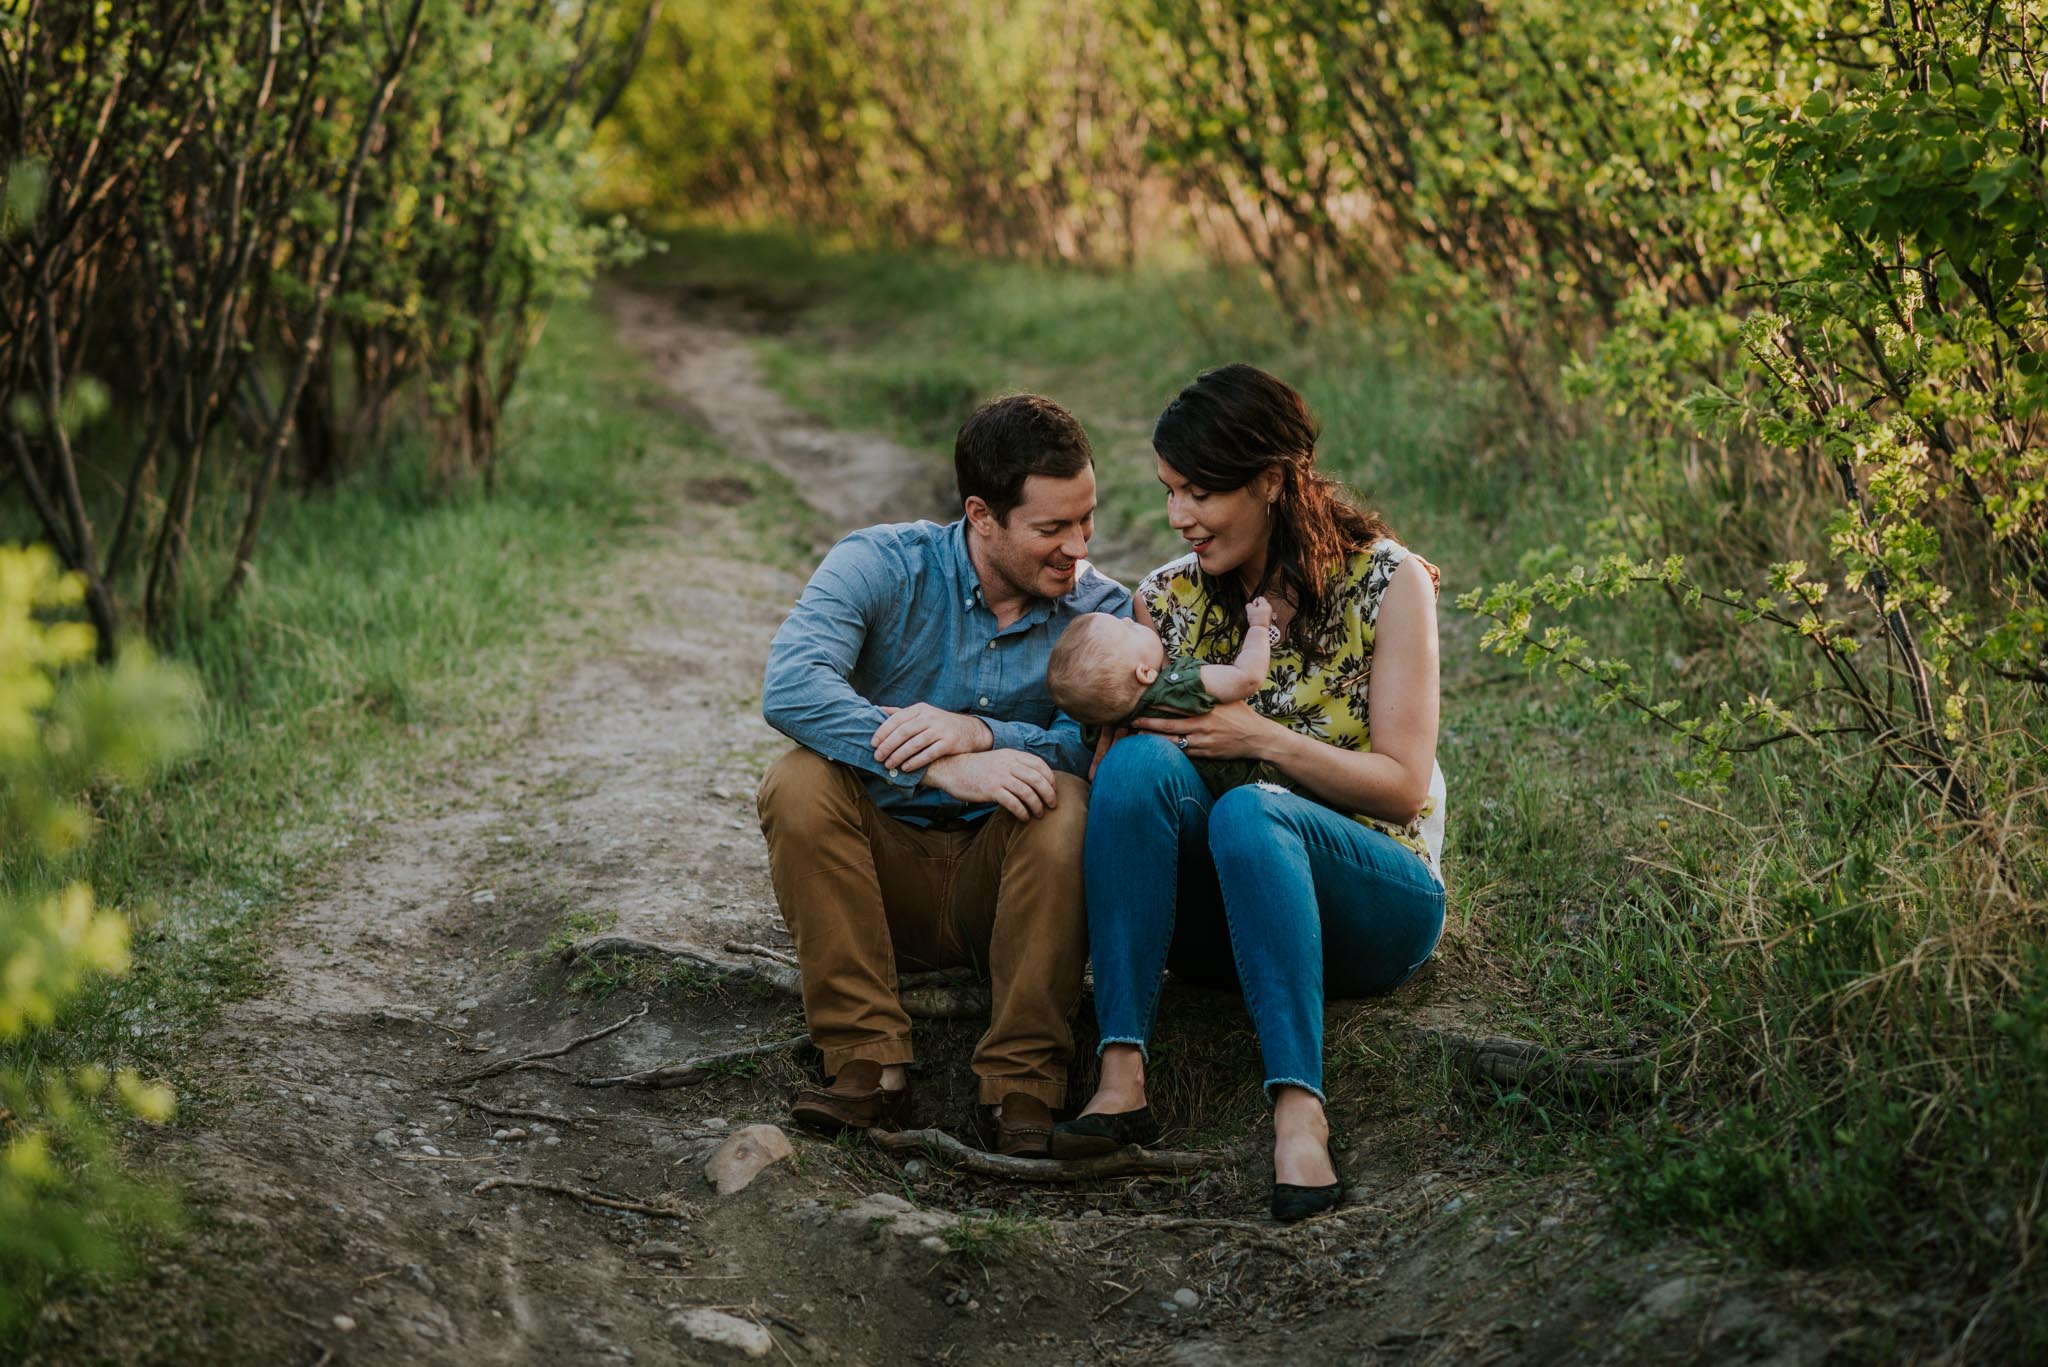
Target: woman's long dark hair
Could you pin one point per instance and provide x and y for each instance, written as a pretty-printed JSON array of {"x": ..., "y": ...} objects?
[{"x": 1220, "y": 433}]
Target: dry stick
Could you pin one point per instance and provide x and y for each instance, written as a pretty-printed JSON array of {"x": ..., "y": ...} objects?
[
  {"x": 510, "y": 1064},
  {"x": 929, "y": 996},
  {"x": 589, "y": 1198},
  {"x": 1127, "y": 1162},
  {"x": 510, "y": 1112},
  {"x": 693, "y": 1070}
]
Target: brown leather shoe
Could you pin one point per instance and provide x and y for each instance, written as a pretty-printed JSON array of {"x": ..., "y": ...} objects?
[
  {"x": 1023, "y": 1127},
  {"x": 855, "y": 1100}
]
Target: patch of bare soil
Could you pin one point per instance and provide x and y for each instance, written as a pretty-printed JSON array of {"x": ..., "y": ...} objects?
[{"x": 387, "y": 1182}]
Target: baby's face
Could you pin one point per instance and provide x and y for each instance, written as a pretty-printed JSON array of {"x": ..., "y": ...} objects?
[{"x": 1136, "y": 645}]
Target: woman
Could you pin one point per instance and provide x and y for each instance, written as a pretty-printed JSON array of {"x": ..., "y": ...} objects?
[{"x": 1319, "y": 879}]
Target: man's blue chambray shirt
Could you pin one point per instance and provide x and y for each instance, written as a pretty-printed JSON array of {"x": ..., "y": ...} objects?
[{"x": 895, "y": 616}]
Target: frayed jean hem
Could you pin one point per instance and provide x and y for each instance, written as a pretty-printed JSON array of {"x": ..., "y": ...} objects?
[
  {"x": 1273, "y": 1084},
  {"x": 1143, "y": 1052}
]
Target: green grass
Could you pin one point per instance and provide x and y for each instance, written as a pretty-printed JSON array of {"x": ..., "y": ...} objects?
[{"x": 1851, "y": 1052}]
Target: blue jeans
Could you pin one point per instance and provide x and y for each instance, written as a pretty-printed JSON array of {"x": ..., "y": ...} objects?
[{"x": 1263, "y": 889}]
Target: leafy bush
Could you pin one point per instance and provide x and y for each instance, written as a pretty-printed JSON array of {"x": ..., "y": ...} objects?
[{"x": 64, "y": 728}]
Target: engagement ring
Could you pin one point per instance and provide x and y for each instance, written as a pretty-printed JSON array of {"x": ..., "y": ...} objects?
[{"x": 1181, "y": 741}]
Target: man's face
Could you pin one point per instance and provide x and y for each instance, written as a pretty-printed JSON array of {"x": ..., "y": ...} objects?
[{"x": 1035, "y": 550}]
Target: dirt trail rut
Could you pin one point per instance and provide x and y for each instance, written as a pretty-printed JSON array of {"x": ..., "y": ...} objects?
[{"x": 340, "y": 1219}]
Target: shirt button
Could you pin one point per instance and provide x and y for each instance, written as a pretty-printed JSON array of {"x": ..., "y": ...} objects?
[
  {"x": 991, "y": 643},
  {"x": 982, "y": 702}
]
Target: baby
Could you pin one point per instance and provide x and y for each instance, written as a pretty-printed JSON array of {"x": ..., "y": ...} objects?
[{"x": 1107, "y": 671}]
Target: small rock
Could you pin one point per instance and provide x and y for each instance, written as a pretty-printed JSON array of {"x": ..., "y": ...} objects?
[
  {"x": 1454, "y": 1205},
  {"x": 897, "y": 1216},
  {"x": 430, "y": 1151},
  {"x": 715, "y": 1123},
  {"x": 346, "y": 1324},
  {"x": 385, "y": 1139},
  {"x": 722, "y": 794},
  {"x": 727, "y": 1331},
  {"x": 1186, "y": 1298},
  {"x": 932, "y": 1242},
  {"x": 497, "y": 1135},
  {"x": 745, "y": 1153},
  {"x": 513, "y": 1135},
  {"x": 914, "y": 1169},
  {"x": 552, "y": 1140},
  {"x": 469, "y": 1004},
  {"x": 484, "y": 898}
]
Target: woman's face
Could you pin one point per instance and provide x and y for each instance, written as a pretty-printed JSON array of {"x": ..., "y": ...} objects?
[{"x": 1226, "y": 530}]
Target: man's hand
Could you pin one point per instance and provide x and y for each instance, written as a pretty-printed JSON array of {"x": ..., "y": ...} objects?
[
  {"x": 914, "y": 736},
  {"x": 1016, "y": 780}
]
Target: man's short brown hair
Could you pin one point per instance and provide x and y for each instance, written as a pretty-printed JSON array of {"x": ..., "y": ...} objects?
[{"x": 1008, "y": 440}]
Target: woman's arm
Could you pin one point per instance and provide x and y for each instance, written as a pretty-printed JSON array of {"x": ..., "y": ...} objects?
[{"x": 1390, "y": 781}]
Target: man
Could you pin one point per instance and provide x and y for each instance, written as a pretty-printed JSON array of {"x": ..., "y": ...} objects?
[{"x": 931, "y": 815}]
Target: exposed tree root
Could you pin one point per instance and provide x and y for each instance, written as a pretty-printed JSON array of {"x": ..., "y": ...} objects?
[
  {"x": 929, "y": 996},
  {"x": 693, "y": 1070},
  {"x": 1127, "y": 1162},
  {"x": 509, "y": 1064},
  {"x": 588, "y": 1198},
  {"x": 509, "y": 1112}
]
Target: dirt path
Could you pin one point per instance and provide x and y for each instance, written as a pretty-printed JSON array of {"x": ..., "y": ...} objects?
[{"x": 337, "y": 1190}]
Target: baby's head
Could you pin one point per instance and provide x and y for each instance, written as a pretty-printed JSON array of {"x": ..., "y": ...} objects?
[{"x": 1102, "y": 666}]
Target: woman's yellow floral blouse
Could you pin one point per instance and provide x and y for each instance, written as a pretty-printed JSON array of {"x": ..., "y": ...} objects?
[{"x": 1326, "y": 701}]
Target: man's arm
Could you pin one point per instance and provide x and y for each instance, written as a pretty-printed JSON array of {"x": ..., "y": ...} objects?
[{"x": 806, "y": 694}]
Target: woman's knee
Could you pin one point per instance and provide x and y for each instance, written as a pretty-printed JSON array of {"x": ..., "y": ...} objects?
[
  {"x": 1139, "y": 769},
  {"x": 1246, "y": 820}
]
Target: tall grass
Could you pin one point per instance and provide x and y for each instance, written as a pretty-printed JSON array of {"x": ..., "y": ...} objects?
[{"x": 1850, "y": 1017}]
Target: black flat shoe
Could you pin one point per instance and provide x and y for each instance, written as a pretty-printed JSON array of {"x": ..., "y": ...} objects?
[
  {"x": 1291, "y": 1203},
  {"x": 1085, "y": 1136}
]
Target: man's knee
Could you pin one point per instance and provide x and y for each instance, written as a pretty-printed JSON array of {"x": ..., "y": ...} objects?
[
  {"x": 1066, "y": 821},
  {"x": 799, "y": 791}
]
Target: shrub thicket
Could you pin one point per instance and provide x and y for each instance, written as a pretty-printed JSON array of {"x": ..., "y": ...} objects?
[{"x": 237, "y": 231}]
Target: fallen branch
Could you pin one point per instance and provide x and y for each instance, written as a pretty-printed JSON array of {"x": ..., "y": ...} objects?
[
  {"x": 1126, "y": 1162},
  {"x": 588, "y": 1198},
  {"x": 693, "y": 1070},
  {"x": 509, "y": 1112},
  {"x": 509, "y": 1064},
  {"x": 929, "y": 996},
  {"x": 1556, "y": 1073}
]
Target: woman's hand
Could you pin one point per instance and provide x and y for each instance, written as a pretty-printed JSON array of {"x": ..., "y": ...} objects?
[{"x": 1230, "y": 731}]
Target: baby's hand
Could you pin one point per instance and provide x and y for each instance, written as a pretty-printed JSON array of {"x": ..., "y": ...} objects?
[{"x": 1259, "y": 613}]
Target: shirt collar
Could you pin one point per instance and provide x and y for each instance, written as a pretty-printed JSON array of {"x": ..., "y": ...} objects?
[{"x": 967, "y": 583}]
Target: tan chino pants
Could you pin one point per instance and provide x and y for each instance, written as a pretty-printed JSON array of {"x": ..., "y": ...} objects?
[{"x": 865, "y": 894}]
